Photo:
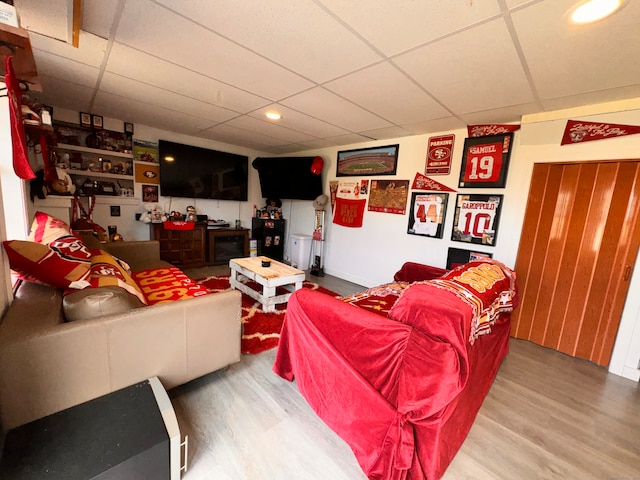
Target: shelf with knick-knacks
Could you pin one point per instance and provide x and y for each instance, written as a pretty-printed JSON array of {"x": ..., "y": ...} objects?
[{"x": 95, "y": 171}]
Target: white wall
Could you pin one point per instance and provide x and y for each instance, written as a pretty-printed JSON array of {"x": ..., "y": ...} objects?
[{"x": 370, "y": 255}]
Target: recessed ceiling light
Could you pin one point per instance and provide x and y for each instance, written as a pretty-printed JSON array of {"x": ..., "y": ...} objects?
[
  {"x": 594, "y": 10},
  {"x": 273, "y": 115}
]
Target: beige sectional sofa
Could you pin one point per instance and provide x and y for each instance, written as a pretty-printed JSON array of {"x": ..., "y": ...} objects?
[{"x": 48, "y": 364}]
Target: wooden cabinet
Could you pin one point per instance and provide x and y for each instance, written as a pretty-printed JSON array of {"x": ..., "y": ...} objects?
[
  {"x": 227, "y": 243},
  {"x": 186, "y": 248}
]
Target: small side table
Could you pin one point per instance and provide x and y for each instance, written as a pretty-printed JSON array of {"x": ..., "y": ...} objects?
[{"x": 131, "y": 433}]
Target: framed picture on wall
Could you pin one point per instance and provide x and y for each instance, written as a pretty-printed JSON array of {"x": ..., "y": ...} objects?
[
  {"x": 427, "y": 214},
  {"x": 485, "y": 161},
  {"x": 459, "y": 256},
  {"x": 367, "y": 162},
  {"x": 476, "y": 219}
]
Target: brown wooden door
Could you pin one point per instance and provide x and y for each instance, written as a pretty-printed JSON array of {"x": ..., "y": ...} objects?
[{"x": 578, "y": 247}]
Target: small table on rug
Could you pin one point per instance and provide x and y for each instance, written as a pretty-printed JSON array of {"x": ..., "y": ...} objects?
[{"x": 276, "y": 275}]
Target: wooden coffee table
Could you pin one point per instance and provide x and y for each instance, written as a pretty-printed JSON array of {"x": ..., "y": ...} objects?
[{"x": 276, "y": 275}]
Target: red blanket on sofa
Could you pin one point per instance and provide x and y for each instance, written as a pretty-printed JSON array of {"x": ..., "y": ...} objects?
[{"x": 401, "y": 391}]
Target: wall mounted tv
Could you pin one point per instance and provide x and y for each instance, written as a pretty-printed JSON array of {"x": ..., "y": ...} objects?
[
  {"x": 288, "y": 178},
  {"x": 195, "y": 172}
]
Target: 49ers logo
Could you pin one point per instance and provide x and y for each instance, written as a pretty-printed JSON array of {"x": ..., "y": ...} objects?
[{"x": 482, "y": 277}]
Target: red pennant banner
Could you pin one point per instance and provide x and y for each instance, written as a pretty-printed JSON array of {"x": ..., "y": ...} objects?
[
  {"x": 421, "y": 182},
  {"x": 577, "y": 131},
  {"x": 349, "y": 213},
  {"x": 490, "y": 129}
]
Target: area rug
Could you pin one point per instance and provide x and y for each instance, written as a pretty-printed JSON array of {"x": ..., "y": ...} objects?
[{"x": 261, "y": 329}]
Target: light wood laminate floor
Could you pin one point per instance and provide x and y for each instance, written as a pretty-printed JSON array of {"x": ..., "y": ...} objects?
[{"x": 547, "y": 416}]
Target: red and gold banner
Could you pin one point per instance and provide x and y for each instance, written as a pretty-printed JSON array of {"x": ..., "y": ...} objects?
[
  {"x": 422, "y": 182},
  {"x": 490, "y": 129},
  {"x": 578, "y": 131},
  {"x": 439, "y": 152},
  {"x": 348, "y": 212}
]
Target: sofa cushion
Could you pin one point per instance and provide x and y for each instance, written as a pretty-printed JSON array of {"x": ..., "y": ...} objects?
[
  {"x": 46, "y": 228},
  {"x": 97, "y": 302},
  {"x": 62, "y": 264},
  {"x": 378, "y": 299},
  {"x": 107, "y": 270},
  {"x": 167, "y": 284}
]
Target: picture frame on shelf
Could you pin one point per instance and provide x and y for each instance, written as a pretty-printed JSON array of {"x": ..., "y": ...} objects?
[
  {"x": 477, "y": 218},
  {"x": 368, "y": 162},
  {"x": 485, "y": 161},
  {"x": 427, "y": 214},
  {"x": 97, "y": 121},
  {"x": 149, "y": 193},
  {"x": 128, "y": 128},
  {"x": 85, "y": 119}
]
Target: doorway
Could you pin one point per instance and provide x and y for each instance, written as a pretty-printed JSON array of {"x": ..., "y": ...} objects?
[{"x": 578, "y": 248}]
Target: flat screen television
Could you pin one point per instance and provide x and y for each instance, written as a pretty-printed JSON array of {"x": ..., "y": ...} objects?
[
  {"x": 288, "y": 178},
  {"x": 194, "y": 172}
]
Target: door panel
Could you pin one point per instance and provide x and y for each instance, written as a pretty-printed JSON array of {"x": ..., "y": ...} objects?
[{"x": 580, "y": 236}]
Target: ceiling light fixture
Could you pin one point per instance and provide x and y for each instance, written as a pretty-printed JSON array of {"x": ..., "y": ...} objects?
[
  {"x": 273, "y": 115},
  {"x": 593, "y": 10}
]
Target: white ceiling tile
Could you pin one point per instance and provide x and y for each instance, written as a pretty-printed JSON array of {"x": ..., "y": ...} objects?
[
  {"x": 65, "y": 69},
  {"x": 350, "y": 139},
  {"x": 153, "y": 29},
  {"x": 91, "y": 49},
  {"x": 579, "y": 52},
  {"x": 592, "y": 98},
  {"x": 141, "y": 92},
  {"x": 267, "y": 128},
  {"x": 154, "y": 71},
  {"x": 327, "y": 106},
  {"x": 389, "y": 132},
  {"x": 64, "y": 94},
  {"x": 316, "y": 144},
  {"x": 384, "y": 90},
  {"x": 98, "y": 17},
  {"x": 238, "y": 136},
  {"x": 483, "y": 73},
  {"x": 300, "y": 122},
  {"x": 297, "y": 34},
  {"x": 395, "y": 27},
  {"x": 500, "y": 115},
  {"x": 54, "y": 24},
  {"x": 110, "y": 105},
  {"x": 439, "y": 124}
]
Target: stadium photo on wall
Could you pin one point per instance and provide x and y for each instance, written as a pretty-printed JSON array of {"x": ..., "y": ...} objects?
[{"x": 367, "y": 162}]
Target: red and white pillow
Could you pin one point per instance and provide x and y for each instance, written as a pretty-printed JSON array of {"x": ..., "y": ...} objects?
[{"x": 52, "y": 254}]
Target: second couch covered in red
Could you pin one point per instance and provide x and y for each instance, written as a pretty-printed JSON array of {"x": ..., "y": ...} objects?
[{"x": 401, "y": 380}]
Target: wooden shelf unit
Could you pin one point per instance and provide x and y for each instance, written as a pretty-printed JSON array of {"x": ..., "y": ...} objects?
[{"x": 186, "y": 248}]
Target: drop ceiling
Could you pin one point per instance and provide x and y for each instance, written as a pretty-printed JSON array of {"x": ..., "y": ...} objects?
[{"x": 339, "y": 71}]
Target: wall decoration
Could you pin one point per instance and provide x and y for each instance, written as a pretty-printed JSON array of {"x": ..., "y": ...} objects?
[
  {"x": 85, "y": 119},
  {"x": 128, "y": 128},
  {"x": 476, "y": 219},
  {"x": 389, "y": 196},
  {"x": 427, "y": 214},
  {"x": 458, "y": 256},
  {"x": 421, "y": 182},
  {"x": 485, "y": 161},
  {"x": 349, "y": 212},
  {"x": 490, "y": 129},
  {"x": 145, "y": 173},
  {"x": 333, "y": 191},
  {"x": 144, "y": 151},
  {"x": 96, "y": 122},
  {"x": 368, "y": 161},
  {"x": 349, "y": 189},
  {"x": 577, "y": 131},
  {"x": 439, "y": 153},
  {"x": 150, "y": 193}
]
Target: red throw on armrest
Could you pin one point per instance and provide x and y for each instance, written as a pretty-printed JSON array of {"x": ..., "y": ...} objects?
[{"x": 416, "y": 272}]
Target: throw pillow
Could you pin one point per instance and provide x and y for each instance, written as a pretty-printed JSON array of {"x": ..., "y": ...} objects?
[
  {"x": 107, "y": 270},
  {"x": 98, "y": 302},
  {"x": 61, "y": 265},
  {"x": 46, "y": 228},
  {"x": 167, "y": 284}
]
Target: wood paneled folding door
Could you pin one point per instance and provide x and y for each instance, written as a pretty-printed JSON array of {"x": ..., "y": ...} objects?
[{"x": 578, "y": 247}]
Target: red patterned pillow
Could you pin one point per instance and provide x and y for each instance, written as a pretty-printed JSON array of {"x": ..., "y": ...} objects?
[
  {"x": 168, "y": 284},
  {"x": 62, "y": 265},
  {"x": 46, "y": 228}
]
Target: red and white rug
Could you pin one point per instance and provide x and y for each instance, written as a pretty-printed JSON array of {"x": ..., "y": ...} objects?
[{"x": 261, "y": 329}]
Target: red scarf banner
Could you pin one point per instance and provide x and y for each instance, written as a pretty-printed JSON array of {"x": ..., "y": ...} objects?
[
  {"x": 349, "y": 213},
  {"x": 490, "y": 129},
  {"x": 578, "y": 131}
]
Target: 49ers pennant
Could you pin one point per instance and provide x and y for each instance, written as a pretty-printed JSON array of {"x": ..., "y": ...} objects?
[
  {"x": 422, "y": 182},
  {"x": 490, "y": 129},
  {"x": 578, "y": 131}
]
